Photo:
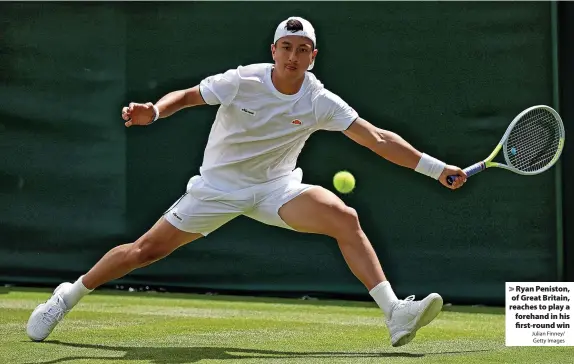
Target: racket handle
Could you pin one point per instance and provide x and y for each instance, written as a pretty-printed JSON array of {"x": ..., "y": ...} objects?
[{"x": 470, "y": 171}]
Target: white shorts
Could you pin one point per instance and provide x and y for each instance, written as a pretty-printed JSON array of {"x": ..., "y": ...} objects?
[{"x": 203, "y": 209}]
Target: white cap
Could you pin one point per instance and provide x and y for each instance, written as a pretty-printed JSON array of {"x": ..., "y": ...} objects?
[{"x": 307, "y": 32}]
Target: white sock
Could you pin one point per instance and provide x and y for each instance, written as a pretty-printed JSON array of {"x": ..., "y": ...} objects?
[
  {"x": 75, "y": 293},
  {"x": 383, "y": 294}
]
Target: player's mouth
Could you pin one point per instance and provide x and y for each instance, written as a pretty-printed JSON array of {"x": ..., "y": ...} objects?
[{"x": 291, "y": 68}]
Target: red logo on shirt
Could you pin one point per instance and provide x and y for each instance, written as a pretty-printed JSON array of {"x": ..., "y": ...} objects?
[{"x": 296, "y": 122}]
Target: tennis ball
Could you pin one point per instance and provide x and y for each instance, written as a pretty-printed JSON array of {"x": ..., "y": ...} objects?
[{"x": 344, "y": 182}]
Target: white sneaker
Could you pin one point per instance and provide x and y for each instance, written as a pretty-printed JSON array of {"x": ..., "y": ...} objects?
[
  {"x": 408, "y": 315},
  {"x": 47, "y": 315}
]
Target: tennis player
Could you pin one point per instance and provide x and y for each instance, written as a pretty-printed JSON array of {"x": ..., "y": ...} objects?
[{"x": 266, "y": 113}]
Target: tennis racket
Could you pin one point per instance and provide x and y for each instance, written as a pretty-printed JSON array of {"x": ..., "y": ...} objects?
[{"x": 531, "y": 144}]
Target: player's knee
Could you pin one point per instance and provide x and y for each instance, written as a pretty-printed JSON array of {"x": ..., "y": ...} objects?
[
  {"x": 351, "y": 219},
  {"x": 345, "y": 222},
  {"x": 146, "y": 251}
]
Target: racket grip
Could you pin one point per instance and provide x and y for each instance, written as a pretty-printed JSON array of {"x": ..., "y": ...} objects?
[{"x": 470, "y": 171}]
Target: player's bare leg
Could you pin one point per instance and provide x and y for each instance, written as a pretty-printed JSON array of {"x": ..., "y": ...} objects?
[
  {"x": 160, "y": 241},
  {"x": 320, "y": 211}
]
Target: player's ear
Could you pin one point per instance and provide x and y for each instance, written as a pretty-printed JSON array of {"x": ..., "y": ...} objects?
[
  {"x": 273, "y": 49},
  {"x": 314, "y": 54}
]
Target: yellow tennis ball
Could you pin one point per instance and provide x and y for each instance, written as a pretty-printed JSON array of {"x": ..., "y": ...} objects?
[{"x": 344, "y": 182}]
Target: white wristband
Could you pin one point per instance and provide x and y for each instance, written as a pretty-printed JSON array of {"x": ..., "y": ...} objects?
[
  {"x": 430, "y": 166},
  {"x": 156, "y": 110}
]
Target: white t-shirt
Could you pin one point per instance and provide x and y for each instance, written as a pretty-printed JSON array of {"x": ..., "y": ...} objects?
[{"x": 259, "y": 132}]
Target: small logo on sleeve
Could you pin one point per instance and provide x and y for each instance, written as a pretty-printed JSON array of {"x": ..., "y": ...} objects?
[{"x": 296, "y": 122}]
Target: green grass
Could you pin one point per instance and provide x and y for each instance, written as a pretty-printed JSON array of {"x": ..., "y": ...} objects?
[{"x": 110, "y": 327}]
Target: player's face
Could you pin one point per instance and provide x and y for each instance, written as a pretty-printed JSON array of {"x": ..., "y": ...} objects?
[{"x": 293, "y": 55}]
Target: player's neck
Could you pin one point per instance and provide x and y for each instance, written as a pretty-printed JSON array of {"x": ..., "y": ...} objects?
[{"x": 287, "y": 86}]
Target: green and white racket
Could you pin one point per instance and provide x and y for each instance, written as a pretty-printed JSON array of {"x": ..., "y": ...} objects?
[{"x": 531, "y": 145}]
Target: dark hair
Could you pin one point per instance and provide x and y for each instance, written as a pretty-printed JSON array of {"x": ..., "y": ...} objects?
[{"x": 294, "y": 25}]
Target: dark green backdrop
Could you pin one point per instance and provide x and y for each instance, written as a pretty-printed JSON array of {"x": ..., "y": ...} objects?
[{"x": 448, "y": 77}]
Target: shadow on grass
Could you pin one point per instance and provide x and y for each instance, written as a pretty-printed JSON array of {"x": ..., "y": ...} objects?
[{"x": 184, "y": 355}]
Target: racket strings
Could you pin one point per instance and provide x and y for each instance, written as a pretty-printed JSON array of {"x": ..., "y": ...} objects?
[
  {"x": 538, "y": 142},
  {"x": 540, "y": 155},
  {"x": 548, "y": 145},
  {"x": 533, "y": 141},
  {"x": 536, "y": 146}
]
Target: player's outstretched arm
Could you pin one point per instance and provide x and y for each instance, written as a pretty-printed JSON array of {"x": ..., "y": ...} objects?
[
  {"x": 145, "y": 114},
  {"x": 395, "y": 149}
]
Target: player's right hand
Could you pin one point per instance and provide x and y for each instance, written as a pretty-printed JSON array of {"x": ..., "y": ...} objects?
[
  {"x": 138, "y": 114},
  {"x": 452, "y": 171}
]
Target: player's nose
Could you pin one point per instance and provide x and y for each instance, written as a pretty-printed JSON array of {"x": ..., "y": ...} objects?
[{"x": 292, "y": 57}]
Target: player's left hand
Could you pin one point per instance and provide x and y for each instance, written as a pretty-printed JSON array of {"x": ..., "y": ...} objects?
[{"x": 452, "y": 171}]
